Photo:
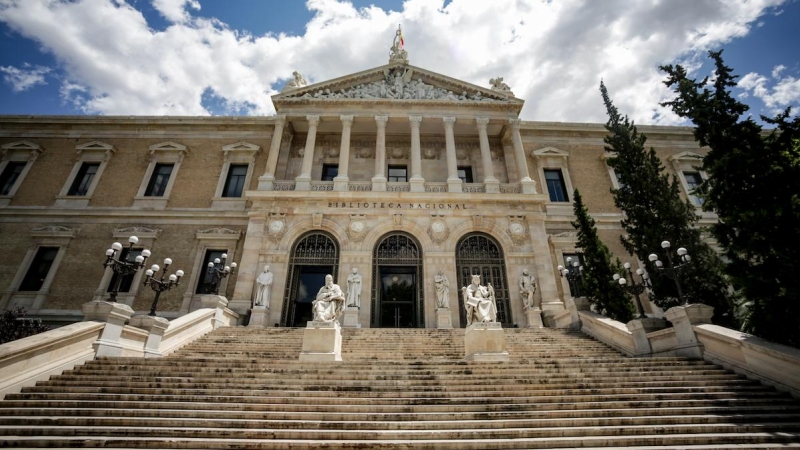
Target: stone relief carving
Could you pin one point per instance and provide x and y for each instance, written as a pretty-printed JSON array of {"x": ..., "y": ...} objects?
[
  {"x": 438, "y": 230},
  {"x": 567, "y": 234},
  {"x": 363, "y": 151},
  {"x": 219, "y": 231},
  {"x": 357, "y": 229},
  {"x": 276, "y": 227},
  {"x": 517, "y": 229},
  {"x": 55, "y": 229},
  {"x": 137, "y": 230},
  {"x": 316, "y": 219},
  {"x": 430, "y": 153},
  {"x": 398, "y": 219},
  {"x": 499, "y": 85}
]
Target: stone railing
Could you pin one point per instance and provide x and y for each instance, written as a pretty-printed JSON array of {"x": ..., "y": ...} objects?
[
  {"x": 510, "y": 189},
  {"x": 322, "y": 185},
  {"x": 26, "y": 361},
  {"x": 283, "y": 186},
  {"x": 435, "y": 187},
  {"x": 359, "y": 186},
  {"x": 473, "y": 188},
  {"x": 398, "y": 187}
]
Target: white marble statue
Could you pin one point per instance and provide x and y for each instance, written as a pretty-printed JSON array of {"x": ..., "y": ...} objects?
[
  {"x": 398, "y": 52},
  {"x": 527, "y": 287},
  {"x": 297, "y": 81},
  {"x": 329, "y": 304},
  {"x": 499, "y": 85},
  {"x": 442, "y": 291},
  {"x": 354, "y": 289},
  {"x": 479, "y": 301},
  {"x": 263, "y": 286}
]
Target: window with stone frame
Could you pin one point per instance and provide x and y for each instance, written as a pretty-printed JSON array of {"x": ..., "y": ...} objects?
[
  {"x": 16, "y": 160},
  {"x": 92, "y": 158},
  {"x": 235, "y": 176},
  {"x": 465, "y": 174},
  {"x": 398, "y": 174},
  {"x": 329, "y": 172},
  {"x": 555, "y": 185},
  {"x": 160, "y": 176},
  {"x": 553, "y": 170},
  {"x": 691, "y": 177}
]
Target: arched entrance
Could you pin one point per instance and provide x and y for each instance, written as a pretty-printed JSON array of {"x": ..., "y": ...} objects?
[
  {"x": 313, "y": 256},
  {"x": 397, "y": 287},
  {"x": 478, "y": 253}
]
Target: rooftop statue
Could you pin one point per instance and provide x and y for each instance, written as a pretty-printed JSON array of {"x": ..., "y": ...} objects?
[
  {"x": 297, "y": 82},
  {"x": 398, "y": 51},
  {"x": 499, "y": 86}
]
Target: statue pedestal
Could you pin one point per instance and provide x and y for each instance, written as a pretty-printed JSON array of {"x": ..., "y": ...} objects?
[
  {"x": 443, "y": 319},
  {"x": 322, "y": 342},
  {"x": 258, "y": 317},
  {"x": 350, "y": 318},
  {"x": 485, "y": 342},
  {"x": 534, "y": 316}
]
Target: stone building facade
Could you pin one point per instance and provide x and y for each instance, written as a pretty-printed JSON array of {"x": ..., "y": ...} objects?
[{"x": 396, "y": 171}]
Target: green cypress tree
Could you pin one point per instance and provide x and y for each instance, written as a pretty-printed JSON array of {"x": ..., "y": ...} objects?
[
  {"x": 754, "y": 188},
  {"x": 607, "y": 297},
  {"x": 655, "y": 212}
]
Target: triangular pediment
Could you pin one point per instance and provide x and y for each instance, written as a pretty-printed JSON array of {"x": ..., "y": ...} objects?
[
  {"x": 95, "y": 146},
  {"x": 691, "y": 156},
  {"x": 241, "y": 147},
  {"x": 168, "y": 146},
  {"x": 396, "y": 83},
  {"x": 549, "y": 152}
]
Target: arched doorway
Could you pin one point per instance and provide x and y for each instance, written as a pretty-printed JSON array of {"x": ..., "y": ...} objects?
[
  {"x": 313, "y": 256},
  {"x": 478, "y": 253},
  {"x": 397, "y": 287}
]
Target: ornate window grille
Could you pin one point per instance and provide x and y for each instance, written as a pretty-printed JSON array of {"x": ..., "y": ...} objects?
[{"x": 398, "y": 249}]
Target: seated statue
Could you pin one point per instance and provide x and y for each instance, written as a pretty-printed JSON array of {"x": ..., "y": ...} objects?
[
  {"x": 329, "y": 304},
  {"x": 479, "y": 302},
  {"x": 499, "y": 85},
  {"x": 297, "y": 81}
]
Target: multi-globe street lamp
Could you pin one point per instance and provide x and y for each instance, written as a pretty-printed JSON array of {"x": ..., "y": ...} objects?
[
  {"x": 674, "y": 269},
  {"x": 630, "y": 285},
  {"x": 574, "y": 276},
  {"x": 218, "y": 271},
  {"x": 123, "y": 267},
  {"x": 160, "y": 285}
]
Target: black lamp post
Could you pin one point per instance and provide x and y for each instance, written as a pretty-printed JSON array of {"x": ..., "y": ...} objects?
[
  {"x": 633, "y": 287},
  {"x": 673, "y": 271},
  {"x": 218, "y": 270},
  {"x": 574, "y": 276},
  {"x": 159, "y": 285},
  {"x": 123, "y": 267}
]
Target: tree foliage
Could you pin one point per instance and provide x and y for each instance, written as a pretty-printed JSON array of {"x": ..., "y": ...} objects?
[
  {"x": 607, "y": 297},
  {"x": 14, "y": 325},
  {"x": 654, "y": 212},
  {"x": 755, "y": 191}
]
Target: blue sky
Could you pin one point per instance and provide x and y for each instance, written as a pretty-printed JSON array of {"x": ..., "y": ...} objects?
[{"x": 200, "y": 57}]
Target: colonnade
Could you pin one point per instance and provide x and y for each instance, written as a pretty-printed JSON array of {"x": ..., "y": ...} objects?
[{"x": 416, "y": 181}]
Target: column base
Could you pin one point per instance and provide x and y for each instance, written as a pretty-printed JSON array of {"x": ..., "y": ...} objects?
[
  {"x": 417, "y": 184},
  {"x": 340, "y": 183},
  {"x": 302, "y": 183},
  {"x": 350, "y": 318},
  {"x": 492, "y": 186},
  {"x": 485, "y": 342},
  {"x": 378, "y": 184},
  {"x": 322, "y": 342},
  {"x": 259, "y": 316},
  {"x": 454, "y": 185},
  {"x": 534, "y": 316},
  {"x": 444, "y": 321},
  {"x": 528, "y": 186},
  {"x": 266, "y": 183}
]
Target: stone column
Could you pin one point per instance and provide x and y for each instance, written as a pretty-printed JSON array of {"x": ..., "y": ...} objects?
[
  {"x": 489, "y": 180},
  {"x": 303, "y": 181},
  {"x": 417, "y": 182},
  {"x": 266, "y": 181},
  {"x": 379, "y": 180},
  {"x": 249, "y": 266},
  {"x": 528, "y": 186},
  {"x": 341, "y": 179},
  {"x": 453, "y": 182}
]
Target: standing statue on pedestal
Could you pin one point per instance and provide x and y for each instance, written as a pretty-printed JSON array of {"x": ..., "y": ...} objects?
[
  {"x": 263, "y": 285},
  {"x": 354, "y": 289},
  {"x": 329, "y": 303},
  {"x": 479, "y": 302},
  {"x": 442, "y": 291},
  {"x": 527, "y": 287}
]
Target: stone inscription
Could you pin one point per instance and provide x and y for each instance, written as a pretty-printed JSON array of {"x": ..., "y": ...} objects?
[{"x": 397, "y": 205}]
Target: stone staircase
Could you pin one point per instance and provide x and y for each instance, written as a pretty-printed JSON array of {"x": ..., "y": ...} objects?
[{"x": 399, "y": 389}]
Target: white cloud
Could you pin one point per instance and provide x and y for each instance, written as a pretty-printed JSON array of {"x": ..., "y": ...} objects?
[
  {"x": 776, "y": 71},
  {"x": 175, "y": 10},
  {"x": 553, "y": 54},
  {"x": 25, "y": 78},
  {"x": 785, "y": 92}
]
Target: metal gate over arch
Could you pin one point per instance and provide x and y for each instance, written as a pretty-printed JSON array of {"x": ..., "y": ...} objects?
[
  {"x": 478, "y": 253},
  {"x": 315, "y": 249},
  {"x": 399, "y": 250}
]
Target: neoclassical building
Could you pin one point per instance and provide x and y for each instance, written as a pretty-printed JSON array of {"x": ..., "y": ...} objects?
[{"x": 396, "y": 171}]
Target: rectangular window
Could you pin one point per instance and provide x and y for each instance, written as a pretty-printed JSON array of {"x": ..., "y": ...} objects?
[
  {"x": 555, "y": 185},
  {"x": 10, "y": 175},
  {"x": 694, "y": 181},
  {"x": 127, "y": 280},
  {"x": 234, "y": 183},
  {"x": 205, "y": 279},
  {"x": 329, "y": 172},
  {"x": 83, "y": 179},
  {"x": 398, "y": 174},
  {"x": 40, "y": 267},
  {"x": 575, "y": 257},
  {"x": 465, "y": 174},
  {"x": 158, "y": 181}
]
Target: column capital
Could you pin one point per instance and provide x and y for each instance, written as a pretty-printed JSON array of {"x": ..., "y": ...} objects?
[
  {"x": 280, "y": 120},
  {"x": 514, "y": 123},
  {"x": 313, "y": 119},
  {"x": 346, "y": 119},
  {"x": 381, "y": 120},
  {"x": 481, "y": 122},
  {"x": 415, "y": 120},
  {"x": 449, "y": 121}
]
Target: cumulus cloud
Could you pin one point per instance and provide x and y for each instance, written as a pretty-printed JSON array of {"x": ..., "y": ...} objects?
[
  {"x": 553, "y": 54},
  {"x": 22, "y": 79},
  {"x": 784, "y": 92}
]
